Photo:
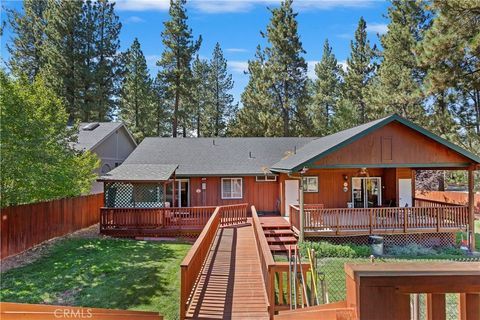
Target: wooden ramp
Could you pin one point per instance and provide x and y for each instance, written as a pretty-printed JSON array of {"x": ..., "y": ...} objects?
[{"x": 231, "y": 284}]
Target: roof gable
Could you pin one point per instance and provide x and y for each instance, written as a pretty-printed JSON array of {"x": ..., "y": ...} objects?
[
  {"x": 90, "y": 139},
  {"x": 325, "y": 146}
]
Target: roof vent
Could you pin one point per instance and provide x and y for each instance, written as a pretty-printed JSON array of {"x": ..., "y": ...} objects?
[
  {"x": 250, "y": 155},
  {"x": 91, "y": 126}
]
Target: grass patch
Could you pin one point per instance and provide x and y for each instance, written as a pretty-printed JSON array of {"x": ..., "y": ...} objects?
[{"x": 102, "y": 273}]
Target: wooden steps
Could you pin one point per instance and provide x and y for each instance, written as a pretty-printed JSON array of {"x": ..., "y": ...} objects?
[{"x": 279, "y": 233}]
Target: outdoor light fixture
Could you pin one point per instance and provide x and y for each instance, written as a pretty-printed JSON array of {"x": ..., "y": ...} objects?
[{"x": 304, "y": 170}]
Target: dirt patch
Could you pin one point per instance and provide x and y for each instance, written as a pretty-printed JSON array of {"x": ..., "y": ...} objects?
[{"x": 43, "y": 248}]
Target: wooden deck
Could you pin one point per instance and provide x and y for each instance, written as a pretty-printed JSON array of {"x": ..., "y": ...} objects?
[{"x": 231, "y": 285}]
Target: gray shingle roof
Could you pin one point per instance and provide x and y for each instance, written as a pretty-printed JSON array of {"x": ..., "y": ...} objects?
[
  {"x": 215, "y": 156},
  {"x": 140, "y": 172},
  {"x": 89, "y": 139}
]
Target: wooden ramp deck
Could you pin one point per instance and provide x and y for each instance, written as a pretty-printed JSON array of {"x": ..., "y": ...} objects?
[{"x": 231, "y": 285}]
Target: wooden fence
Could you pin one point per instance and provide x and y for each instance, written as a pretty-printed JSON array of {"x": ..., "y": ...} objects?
[
  {"x": 27, "y": 225},
  {"x": 19, "y": 311},
  {"x": 449, "y": 197}
]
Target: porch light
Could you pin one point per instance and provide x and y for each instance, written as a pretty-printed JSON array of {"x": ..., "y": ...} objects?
[{"x": 304, "y": 170}]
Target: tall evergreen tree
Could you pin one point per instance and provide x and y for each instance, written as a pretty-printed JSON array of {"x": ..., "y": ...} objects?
[
  {"x": 281, "y": 87},
  {"x": 327, "y": 91},
  {"x": 26, "y": 46},
  {"x": 222, "y": 109},
  {"x": 201, "y": 97},
  {"x": 398, "y": 86},
  {"x": 450, "y": 51},
  {"x": 107, "y": 67},
  {"x": 137, "y": 101},
  {"x": 258, "y": 117},
  {"x": 360, "y": 70},
  {"x": 64, "y": 62},
  {"x": 175, "y": 63}
]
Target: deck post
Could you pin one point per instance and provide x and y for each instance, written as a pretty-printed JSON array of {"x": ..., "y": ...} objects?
[
  {"x": 302, "y": 212},
  {"x": 471, "y": 208}
]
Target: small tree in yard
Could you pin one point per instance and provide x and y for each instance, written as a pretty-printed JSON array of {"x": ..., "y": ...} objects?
[{"x": 37, "y": 159}]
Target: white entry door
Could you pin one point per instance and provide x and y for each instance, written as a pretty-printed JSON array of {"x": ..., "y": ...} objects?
[
  {"x": 291, "y": 194},
  {"x": 405, "y": 192}
]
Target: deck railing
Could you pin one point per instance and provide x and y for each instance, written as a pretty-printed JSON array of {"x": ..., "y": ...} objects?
[
  {"x": 191, "y": 266},
  {"x": 393, "y": 283},
  {"x": 266, "y": 261},
  {"x": 381, "y": 220},
  {"x": 234, "y": 214}
]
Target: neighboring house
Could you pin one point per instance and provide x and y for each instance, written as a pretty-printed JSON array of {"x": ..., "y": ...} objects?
[
  {"x": 110, "y": 141},
  {"x": 355, "y": 182}
]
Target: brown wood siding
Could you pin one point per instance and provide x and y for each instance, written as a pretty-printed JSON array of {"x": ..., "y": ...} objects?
[
  {"x": 330, "y": 185},
  {"x": 263, "y": 195},
  {"x": 407, "y": 147}
]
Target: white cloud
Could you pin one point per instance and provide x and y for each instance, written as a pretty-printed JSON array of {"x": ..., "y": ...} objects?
[
  {"x": 225, "y": 6},
  {"x": 238, "y": 66},
  {"x": 236, "y": 50},
  {"x": 343, "y": 64},
  {"x": 134, "y": 19},
  {"x": 379, "y": 28},
  {"x": 142, "y": 5}
]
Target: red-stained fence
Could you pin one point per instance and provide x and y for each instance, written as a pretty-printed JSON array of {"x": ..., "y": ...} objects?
[{"x": 27, "y": 225}]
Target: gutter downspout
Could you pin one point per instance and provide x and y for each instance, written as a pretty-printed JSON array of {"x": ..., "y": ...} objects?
[{"x": 301, "y": 236}]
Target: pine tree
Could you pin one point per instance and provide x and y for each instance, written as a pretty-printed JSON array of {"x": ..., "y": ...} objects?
[
  {"x": 163, "y": 125},
  {"x": 201, "y": 97},
  {"x": 64, "y": 61},
  {"x": 258, "y": 117},
  {"x": 137, "y": 101},
  {"x": 450, "y": 51},
  {"x": 277, "y": 89},
  {"x": 398, "y": 86},
  {"x": 175, "y": 63},
  {"x": 222, "y": 109},
  {"x": 327, "y": 91},
  {"x": 107, "y": 67},
  {"x": 360, "y": 70},
  {"x": 25, "y": 50}
]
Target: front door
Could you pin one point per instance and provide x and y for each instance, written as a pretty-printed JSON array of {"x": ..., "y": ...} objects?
[
  {"x": 182, "y": 193},
  {"x": 366, "y": 192},
  {"x": 405, "y": 192},
  {"x": 291, "y": 194}
]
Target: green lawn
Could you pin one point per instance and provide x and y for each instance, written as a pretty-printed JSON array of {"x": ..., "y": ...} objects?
[{"x": 104, "y": 273}]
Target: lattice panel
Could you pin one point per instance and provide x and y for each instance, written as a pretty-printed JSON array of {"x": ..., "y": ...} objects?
[
  {"x": 133, "y": 195},
  {"x": 424, "y": 239}
]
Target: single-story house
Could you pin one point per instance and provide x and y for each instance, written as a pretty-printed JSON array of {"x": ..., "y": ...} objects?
[
  {"x": 110, "y": 141},
  {"x": 355, "y": 182}
]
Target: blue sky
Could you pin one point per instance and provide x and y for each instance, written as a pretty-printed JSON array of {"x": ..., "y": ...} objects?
[{"x": 236, "y": 25}]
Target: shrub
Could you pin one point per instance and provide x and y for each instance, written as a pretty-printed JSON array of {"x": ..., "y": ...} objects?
[
  {"x": 411, "y": 250},
  {"x": 325, "y": 249}
]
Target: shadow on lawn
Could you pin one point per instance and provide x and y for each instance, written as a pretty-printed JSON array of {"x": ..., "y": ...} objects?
[{"x": 97, "y": 273}]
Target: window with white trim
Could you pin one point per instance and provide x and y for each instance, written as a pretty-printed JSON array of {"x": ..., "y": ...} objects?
[
  {"x": 232, "y": 188},
  {"x": 265, "y": 178},
  {"x": 310, "y": 184}
]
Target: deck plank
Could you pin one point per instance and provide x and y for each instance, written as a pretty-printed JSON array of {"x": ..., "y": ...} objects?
[{"x": 231, "y": 284}]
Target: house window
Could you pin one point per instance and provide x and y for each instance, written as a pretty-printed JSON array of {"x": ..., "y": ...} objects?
[
  {"x": 265, "y": 178},
  {"x": 145, "y": 193},
  {"x": 310, "y": 184},
  {"x": 232, "y": 188}
]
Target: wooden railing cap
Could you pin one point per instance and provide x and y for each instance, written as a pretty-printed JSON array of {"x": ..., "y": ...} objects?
[{"x": 412, "y": 269}]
